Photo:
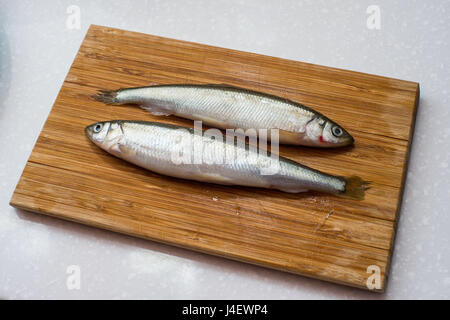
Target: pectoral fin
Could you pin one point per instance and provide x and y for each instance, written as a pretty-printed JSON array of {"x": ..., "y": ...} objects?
[
  {"x": 289, "y": 137},
  {"x": 122, "y": 151},
  {"x": 156, "y": 111}
]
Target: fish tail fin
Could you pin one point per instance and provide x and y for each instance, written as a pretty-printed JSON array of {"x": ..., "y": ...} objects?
[
  {"x": 107, "y": 97},
  {"x": 355, "y": 188}
]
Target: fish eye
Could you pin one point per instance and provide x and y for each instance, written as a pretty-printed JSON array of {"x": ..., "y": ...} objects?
[
  {"x": 337, "y": 132},
  {"x": 98, "y": 127}
]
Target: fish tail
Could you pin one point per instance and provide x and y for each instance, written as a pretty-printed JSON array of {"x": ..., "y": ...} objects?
[
  {"x": 107, "y": 97},
  {"x": 355, "y": 188}
]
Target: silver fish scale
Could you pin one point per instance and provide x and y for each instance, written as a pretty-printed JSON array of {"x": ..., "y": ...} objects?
[
  {"x": 235, "y": 109},
  {"x": 152, "y": 146}
]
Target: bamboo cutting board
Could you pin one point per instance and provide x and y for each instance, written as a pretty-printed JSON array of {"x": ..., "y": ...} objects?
[{"x": 311, "y": 234}]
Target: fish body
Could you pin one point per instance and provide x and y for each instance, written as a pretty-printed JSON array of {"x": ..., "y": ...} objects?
[
  {"x": 229, "y": 107},
  {"x": 156, "y": 147}
]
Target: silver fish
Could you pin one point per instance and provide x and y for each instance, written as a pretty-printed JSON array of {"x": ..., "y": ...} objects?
[
  {"x": 229, "y": 107},
  {"x": 152, "y": 145}
]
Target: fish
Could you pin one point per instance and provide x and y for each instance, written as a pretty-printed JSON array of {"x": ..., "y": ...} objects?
[
  {"x": 229, "y": 107},
  {"x": 168, "y": 150}
]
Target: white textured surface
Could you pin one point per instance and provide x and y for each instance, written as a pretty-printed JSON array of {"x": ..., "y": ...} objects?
[{"x": 36, "y": 50}]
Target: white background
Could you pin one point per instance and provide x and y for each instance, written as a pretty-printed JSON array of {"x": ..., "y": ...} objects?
[{"x": 37, "y": 49}]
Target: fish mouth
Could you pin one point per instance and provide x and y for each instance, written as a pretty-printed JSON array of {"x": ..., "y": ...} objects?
[
  {"x": 351, "y": 141},
  {"x": 347, "y": 142},
  {"x": 89, "y": 131}
]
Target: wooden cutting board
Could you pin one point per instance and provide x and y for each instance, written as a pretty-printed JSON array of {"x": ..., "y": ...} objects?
[{"x": 311, "y": 234}]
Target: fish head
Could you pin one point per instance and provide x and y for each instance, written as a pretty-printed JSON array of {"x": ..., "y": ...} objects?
[
  {"x": 105, "y": 134},
  {"x": 322, "y": 132}
]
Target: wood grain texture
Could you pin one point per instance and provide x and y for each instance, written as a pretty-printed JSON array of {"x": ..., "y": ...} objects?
[{"x": 311, "y": 234}]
